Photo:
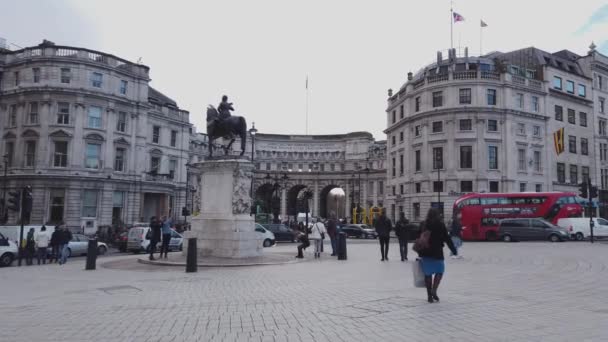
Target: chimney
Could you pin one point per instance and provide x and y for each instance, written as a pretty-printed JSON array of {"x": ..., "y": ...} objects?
[
  {"x": 466, "y": 52},
  {"x": 439, "y": 57},
  {"x": 390, "y": 92},
  {"x": 410, "y": 76},
  {"x": 452, "y": 55}
]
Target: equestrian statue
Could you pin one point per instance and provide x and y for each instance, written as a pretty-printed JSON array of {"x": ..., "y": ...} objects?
[{"x": 221, "y": 124}]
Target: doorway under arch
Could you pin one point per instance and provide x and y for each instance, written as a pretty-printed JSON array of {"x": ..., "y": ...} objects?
[
  {"x": 294, "y": 202},
  {"x": 332, "y": 200}
]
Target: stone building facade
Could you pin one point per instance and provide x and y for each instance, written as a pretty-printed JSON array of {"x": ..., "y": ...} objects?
[
  {"x": 95, "y": 141},
  {"x": 486, "y": 124}
]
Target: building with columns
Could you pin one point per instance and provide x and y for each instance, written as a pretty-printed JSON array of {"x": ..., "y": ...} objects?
[
  {"x": 94, "y": 140},
  {"x": 486, "y": 124}
]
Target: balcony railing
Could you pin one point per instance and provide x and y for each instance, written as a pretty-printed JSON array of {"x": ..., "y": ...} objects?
[
  {"x": 490, "y": 75},
  {"x": 437, "y": 78},
  {"x": 465, "y": 75}
]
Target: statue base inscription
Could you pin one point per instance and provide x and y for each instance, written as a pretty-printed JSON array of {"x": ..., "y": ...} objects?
[{"x": 224, "y": 227}]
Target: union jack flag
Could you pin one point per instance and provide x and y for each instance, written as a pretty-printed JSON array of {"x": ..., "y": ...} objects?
[{"x": 458, "y": 17}]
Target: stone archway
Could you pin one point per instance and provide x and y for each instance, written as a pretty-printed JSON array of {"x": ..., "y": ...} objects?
[
  {"x": 263, "y": 197},
  {"x": 324, "y": 203},
  {"x": 294, "y": 204}
]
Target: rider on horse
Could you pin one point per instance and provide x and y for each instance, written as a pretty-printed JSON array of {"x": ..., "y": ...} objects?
[{"x": 224, "y": 108}]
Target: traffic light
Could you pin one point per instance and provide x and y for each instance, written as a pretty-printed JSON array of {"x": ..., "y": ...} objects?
[
  {"x": 185, "y": 211},
  {"x": 14, "y": 201},
  {"x": 27, "y": 200},
  {"x": 593, "y": 192},
  {"x": 582, "y": 190}
]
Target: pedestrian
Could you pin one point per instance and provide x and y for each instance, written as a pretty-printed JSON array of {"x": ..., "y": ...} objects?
[
  {"x": 402, "y": 231},
  {"x": 155, "y": 230},
  {"x": 332, "y": 232},
  {"x": 383, "y": 228},
  {"x": 304, "y": 243},
  {"x": 42, "y": 244},
  {"x": 318, "y": 235},
  {"x": 456, "y": 235},
  {"x": 30, "y": 247},
  {"x": 166, "y": 230},
  {"x": 433, "y": 264},
  {"x": 55, "y": 245},
  {"x": 66, "y": 237}
]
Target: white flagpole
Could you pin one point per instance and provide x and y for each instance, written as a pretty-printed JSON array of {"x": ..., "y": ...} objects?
[
  {"x": 306, "y": 104},
  {"x": 480, "y": 40},
  {"x": 452, "y": 24}
]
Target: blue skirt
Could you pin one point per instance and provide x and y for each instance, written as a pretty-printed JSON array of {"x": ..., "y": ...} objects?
[{"x": 432, "y": 266}]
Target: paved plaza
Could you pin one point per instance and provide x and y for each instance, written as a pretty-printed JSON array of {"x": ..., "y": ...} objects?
[{"x": 498, "y": 292}]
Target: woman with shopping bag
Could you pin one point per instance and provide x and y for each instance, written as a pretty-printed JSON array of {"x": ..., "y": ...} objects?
[{"x": 430, "y": 249}]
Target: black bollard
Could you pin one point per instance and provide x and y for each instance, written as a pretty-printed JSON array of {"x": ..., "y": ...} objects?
[
  {"x": 91, "y": 255},
  {"x": 342, "y": 246},
  {"x": 191, "y": 265}
]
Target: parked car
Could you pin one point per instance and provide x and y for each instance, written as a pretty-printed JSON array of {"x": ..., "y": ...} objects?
[
  {"x": 361, "y": 231},
  {"x": 521, "y": 229},
  {"x": 121, "y": 241},
  {"x": 579, "y": 229},
  {"x": 281, "y": 232},
  {"x": 80, "y": 246},
  {"x": 139, "y": 240},
  {"x": 8, "y": 251},
  {"x": 268, "y": 236}
]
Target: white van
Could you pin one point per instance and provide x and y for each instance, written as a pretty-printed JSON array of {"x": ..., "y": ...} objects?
[
  {"x": 578, "y": 227},
  {"x": 8, "y": 251},
  {"x": 138, "y": 240}
]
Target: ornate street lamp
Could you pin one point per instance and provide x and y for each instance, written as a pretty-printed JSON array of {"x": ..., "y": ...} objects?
[
  {"x": 252, "y": 132},
  {"x": 4, "y": 213}
]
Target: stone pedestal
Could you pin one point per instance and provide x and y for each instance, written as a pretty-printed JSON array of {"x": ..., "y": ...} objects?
[{"x": 224, "y": 227}]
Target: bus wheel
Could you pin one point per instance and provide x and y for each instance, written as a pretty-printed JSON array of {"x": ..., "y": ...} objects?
[
  {"x": 491, "y": 236},
  {"x": 507, "y": 238},
  {"x": 579, "y": 236}
]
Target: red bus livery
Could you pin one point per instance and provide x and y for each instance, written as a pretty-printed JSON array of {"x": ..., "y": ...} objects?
[{"x": 481, "y": 213}]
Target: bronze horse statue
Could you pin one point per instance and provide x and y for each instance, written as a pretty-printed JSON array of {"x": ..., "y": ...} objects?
[{"x": 227, "y": 128}]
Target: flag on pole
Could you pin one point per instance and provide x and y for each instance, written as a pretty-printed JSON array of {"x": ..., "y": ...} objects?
[
  {"x": 458, "y": 17},
  {"x": 483, "y": 23},
  {"x": 558, "y": 140}
]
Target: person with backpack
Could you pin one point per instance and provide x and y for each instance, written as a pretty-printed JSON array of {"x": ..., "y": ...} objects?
[
  {"x": 402, "y": 231},
  {"x": 383, "y": 228},
  {"x": 318, "y": 235},
  {"x": 430, "y": 248}
]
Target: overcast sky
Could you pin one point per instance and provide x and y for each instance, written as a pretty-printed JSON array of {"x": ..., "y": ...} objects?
[{"x": 260, "y": 52}]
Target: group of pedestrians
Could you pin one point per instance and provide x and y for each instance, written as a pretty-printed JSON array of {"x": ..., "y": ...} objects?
[
  {"x": 36, "y": 245},
  {"x": 160, "y": 231},
  {"x": 316, "y": 235}
]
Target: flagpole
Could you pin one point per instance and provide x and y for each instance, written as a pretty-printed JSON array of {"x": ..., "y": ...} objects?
[
  {"x": 452, "y": 24},
  {"x": 480, "y": 41},
  {"x": 306, "y": 104}
]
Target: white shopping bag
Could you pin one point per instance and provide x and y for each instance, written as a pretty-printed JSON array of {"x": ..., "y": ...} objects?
[{"x": 418, "y": 274}]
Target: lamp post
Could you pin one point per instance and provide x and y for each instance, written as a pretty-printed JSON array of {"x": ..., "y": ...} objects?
[
  {"x": 352, "y": 198},
  {"x": 4, "y": 181},
  {"x": 252, "y": 133},
  {"x": 438, "y": 165}
]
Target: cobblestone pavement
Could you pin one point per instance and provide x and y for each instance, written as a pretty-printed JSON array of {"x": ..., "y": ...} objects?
[{"x": 498, "y": 292}]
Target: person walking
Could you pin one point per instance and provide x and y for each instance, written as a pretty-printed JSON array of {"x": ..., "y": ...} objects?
[
  {"x": 383, "y": 228},
  {"x": 402, "y": 231},
  {"x": 332, "y": 232},
  {"x": 42, "y": 243},
  {"x": 30, "y": 247},
  {"x": 166, "y": 230},
  {"x": 155, "y": 230},
  {"x": 433, "y": 264},
  {"x": 304, "y": 243},
  {"x": 318, "y": 235},
  {"x": 66, "y": 237},
  {"x": 55, "y": 245},
  {"x": 456, "y": 235}
]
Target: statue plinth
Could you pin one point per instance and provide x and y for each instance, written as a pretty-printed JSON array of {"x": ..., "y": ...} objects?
[{"x": 224, "y": 227}]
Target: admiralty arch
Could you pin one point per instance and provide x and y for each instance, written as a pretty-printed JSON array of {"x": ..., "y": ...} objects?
[{"x": 287, "y": 166}]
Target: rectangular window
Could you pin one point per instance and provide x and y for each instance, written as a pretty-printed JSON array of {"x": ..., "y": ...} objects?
[
  {"x": 123, "y": 87},
  {"x": 30, "y": 153},
  {"x": 154, "y": 164},
  {"x": 173, "y": 138},
  {"x": 32, "y": 118},
  {"x": 493, "y": 157},
  {"x": 394, "y": 167},
  {"x": 417, "y": 130},
  {"x": 572, "y": 144},
  {"x": 437, "y": 99},
  {"x": 584, "y": 173},
  {"x": 603, "y": 152},
  {"x": 494, "y": 186},
  {"x": 437, "y": 126},
  {"x": 602, "y": 127},
  {"x": 66, "y": 75},
  {"x": 584, "y": 146},
  {"x": 36, "y": 72},
  {"x": 401, "y": 165},
  {"x": 539, "y": 188},
  {"x": 417, "y": 101},
  {"x": 416, "y": 211},
  {"x": 465, "y": 124},
  {"x": 9, "y": 150},
  {"x": 96, "y": 79},
  {"x": 94, "y": 117},
  {"x": 156, "y": 134},
  {"x": 465, "y": 96},
  {"x": 417, "y": 160},
  {"x": 602, "y": 101},
  {"x": 491, "y": 97},
  {"x": 519, "y": 100},
  {"x": 570, "y": 87},
  {"x": 537, "y": 161},
  {"x": 599, "y": 81},
  {"x": 332, "y": 167},
  {"x": 89, "y": 203},
  {"x": 466, "y": 186},
  {"x": 12, "y": 116},
  {"x": 582, "y": 118},
  {"x": 121, "y": 123},
  {"x": 522, "y": 187},
  {"x": 557, "y": 82},
  {"x": 521, "y": 159},
  {"x": 418, "y": 187},
  {"x": 582, "y": 90},
  {"x": 492, "y": 126},
  {"x": 60, "y": 156},
  {"x": 401, "y": 112},
  {"x": 437, "y": 186},
  {"x": 401, "y": 189},
  {"x": 559, "y": 113},
  {"x": 401, "y": 136},
  {"x": 535, "y": 104},
  {"x": 521, "y": 129},
  {"x": 17, "y": 79},
  {"x": 93, "y": 152},
  {"x": 466, "y": 157},
  {"x": 573, "y": 174},
  {"x": 571, "y": 116},
  {"x": 63, "y": 113},
  {"x": 536, "y": 131},
  {"x": 56, "y": 205},
  {"x": 437, "y": 158},
  {"x": 394, "y": 140},
  {"x": 172, "y": 168},
  {"x": 119, "y": 160},
  {"x": 380, "y": 187},
  {"x": 561, "y": 173},
  {"x": 394, "y": 116}
]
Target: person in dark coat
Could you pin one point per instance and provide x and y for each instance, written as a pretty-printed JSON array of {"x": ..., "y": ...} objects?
[
  {"x": 332, "y": 231},
  {"x": 456, "y": 235},
  {"x": 155, "y": 235},
  {"x": 30, "y": 247},
  {"x": 433, "y": 264},
  {"x": 402, "y": 231},
  {"x": 64, "y": 242},
  {"x": 383, "y": 228},
  {"x": 55, "y": 244}
]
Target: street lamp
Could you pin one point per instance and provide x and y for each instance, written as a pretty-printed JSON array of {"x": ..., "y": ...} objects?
[
  {"x": 438, "y": 165},
  {"x": 4, "y": 213},
  {"x": 252, "y": 133}
]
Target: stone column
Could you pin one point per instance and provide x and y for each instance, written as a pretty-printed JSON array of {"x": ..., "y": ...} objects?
[
  {"x": 375, "y": 193},
  {"x": 347, "y": 200},
  {"x": 315, "y": 199},
  {"x": 283, "y": 204}
]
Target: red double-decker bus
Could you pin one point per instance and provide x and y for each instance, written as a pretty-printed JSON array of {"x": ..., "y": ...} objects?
[{"x": 481, "y": 213}]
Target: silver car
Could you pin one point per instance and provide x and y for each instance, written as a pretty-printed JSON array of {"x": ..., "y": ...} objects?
[{"x": 79, "y": 245}]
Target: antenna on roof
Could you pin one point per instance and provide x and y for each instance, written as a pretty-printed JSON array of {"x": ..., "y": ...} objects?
[{"x": 139, "y": 60}]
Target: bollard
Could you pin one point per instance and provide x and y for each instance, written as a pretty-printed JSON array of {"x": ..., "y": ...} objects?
[
  {"x": 342, "y": 246},
  {"x": 91, "y": 255},
  {"x": 191, "y": 265}
]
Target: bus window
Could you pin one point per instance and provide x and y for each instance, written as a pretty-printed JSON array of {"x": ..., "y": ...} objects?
[
  {"x": 504, "y": 200},
  {"x": 519, "y": 200},
  {"x": 537, "y": 200},
  {"x": 473, "y": 201},
  {"x": 489, "y": 221}
]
